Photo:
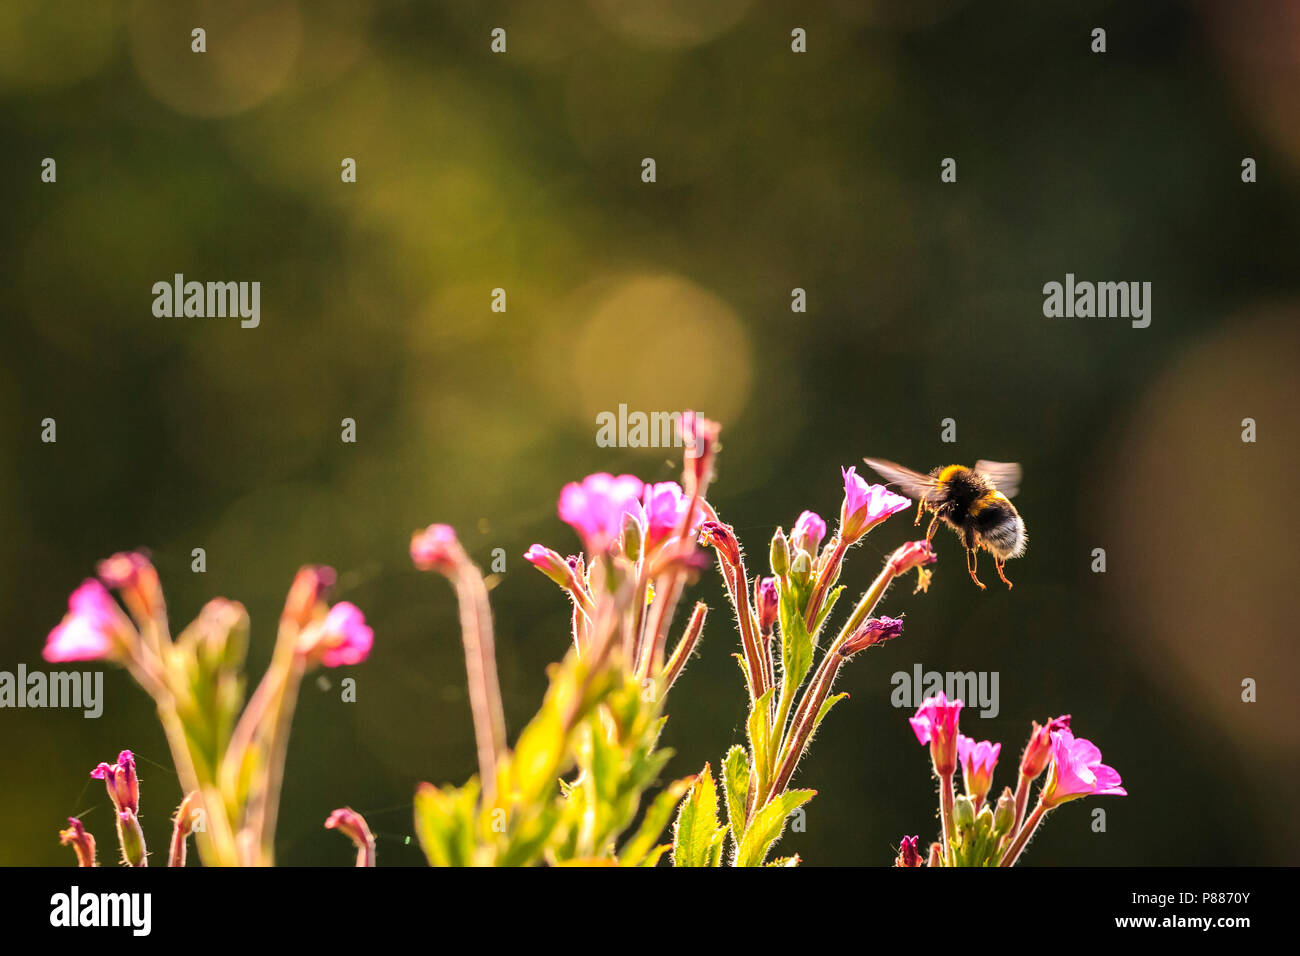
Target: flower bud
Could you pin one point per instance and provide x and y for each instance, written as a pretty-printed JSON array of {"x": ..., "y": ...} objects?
[
  {"x": 767, "y": 601},
  {"x": 182, "y": 827},
  {"x": 436, "y": 548},
  {"x": 808, "y": 532},
  {"x": 633, "y": 536},
  {"x": 132, "y": 574},
  {"x": 914, "y": 554},
  {"x": 780, "y": 556},
  {"x": 936, "y": 854},
  {"x": 307, "y": 595},
  {"x": 82, "y": 843},
  {"x": 721, "y": 538},
  {"x": 1038, "y": 752},
  {"x": 700, "y": 437},
  {"x": 801, "y": 569},
  {"x": 908, "y": 854},
  {"x": 550, "y": 564},
  {"x": 1004, "y": 817},
  {"x": 873, "y": 631},
  {"x": 131, "y": 839},
  {"x": 353, "y": 825},
  {"x": 963, "y": 812},
  {"x": 121, "y": 781},
  {"x": 219, "y": 635}
]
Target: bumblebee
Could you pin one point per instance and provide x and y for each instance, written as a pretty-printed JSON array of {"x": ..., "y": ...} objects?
[{"x": 974, "y": 502}]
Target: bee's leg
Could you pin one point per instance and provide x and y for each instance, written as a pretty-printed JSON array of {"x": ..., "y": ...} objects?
[
  {"x": 971, "y": 557},
  {"x": 920, "y": 510},
  {"x": 934, "y": 526},
  {"x": 1000, "y": 565}
]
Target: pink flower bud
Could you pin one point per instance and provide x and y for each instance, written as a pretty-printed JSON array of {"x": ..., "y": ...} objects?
[
  {"x": 935, "y": 724},
  {"x": 131, "y": 573},
  {"x": 550, "y": 564},
  {"x": 121, "y": 781},
  {"x": 436, "y": 548},
  {"x": 700, "y": 435},
  {"x": 353, "y": 825},
  {"x": 92, "y": 629},
  {"x": 909, "y": 854},
  {"x": 809, "y": 530},
  {"x": 82, "y": 843},
  {"x": 767, "y": 602},
  {"x": 307, "y": 594},
  {"x": 873, "y": 631},
  {"x": 1039, "y": 749},
  {"x": 722, "y": 538},
  {"x": 865, "y": 506},
  {"x": 914, "y": 554}
]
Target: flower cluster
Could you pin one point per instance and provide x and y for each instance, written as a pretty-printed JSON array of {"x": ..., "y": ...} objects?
[
  {"x": 975, "y": 834},
  {"x": 571, "y": 788},
  {"x": 638, "y": 551},
  {"x": 229, "y": 756},
  {"x": 780, "y": 634}
]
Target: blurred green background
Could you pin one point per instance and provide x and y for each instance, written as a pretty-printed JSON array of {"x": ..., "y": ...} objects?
[{"x": 775, "y": 170}]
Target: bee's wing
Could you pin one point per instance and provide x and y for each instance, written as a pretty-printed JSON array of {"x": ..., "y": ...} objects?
[
  {"x": 911, "y": 482},
  {"x": 1003, "y": 475}
]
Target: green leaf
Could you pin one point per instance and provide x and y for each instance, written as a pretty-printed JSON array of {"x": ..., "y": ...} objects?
[
  {"x": 767, "y": 826},
  {"x": 719, "y": 841},
  {"x": 735, "y": 785},
  {"x": 827, "y": 607},
  {"x": 697, "y": 823},
  {"x": 444, "y": 823},
  {"x": 826, "y": 709},
  {"x": 653, "y": 823},
  {"x": 785, "y": 861}
]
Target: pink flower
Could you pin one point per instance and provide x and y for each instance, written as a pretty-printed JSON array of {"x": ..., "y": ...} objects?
[
  {"x": 977, "y": 763},
  {"x": 935, "y": 724},
  {"x": 865, "y": 506},
  {"x": 597, "y": 507},
  {"x": 1077, "y": 771},
  {"x": 665, "y": 505},
  {"x": 342, "y": 638},
  {"x": 435, "y": 548},
  {"x": 122, "y": 783},
  {"x": 808, "y": 532},
  {"x": 90, "y": 629}
]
